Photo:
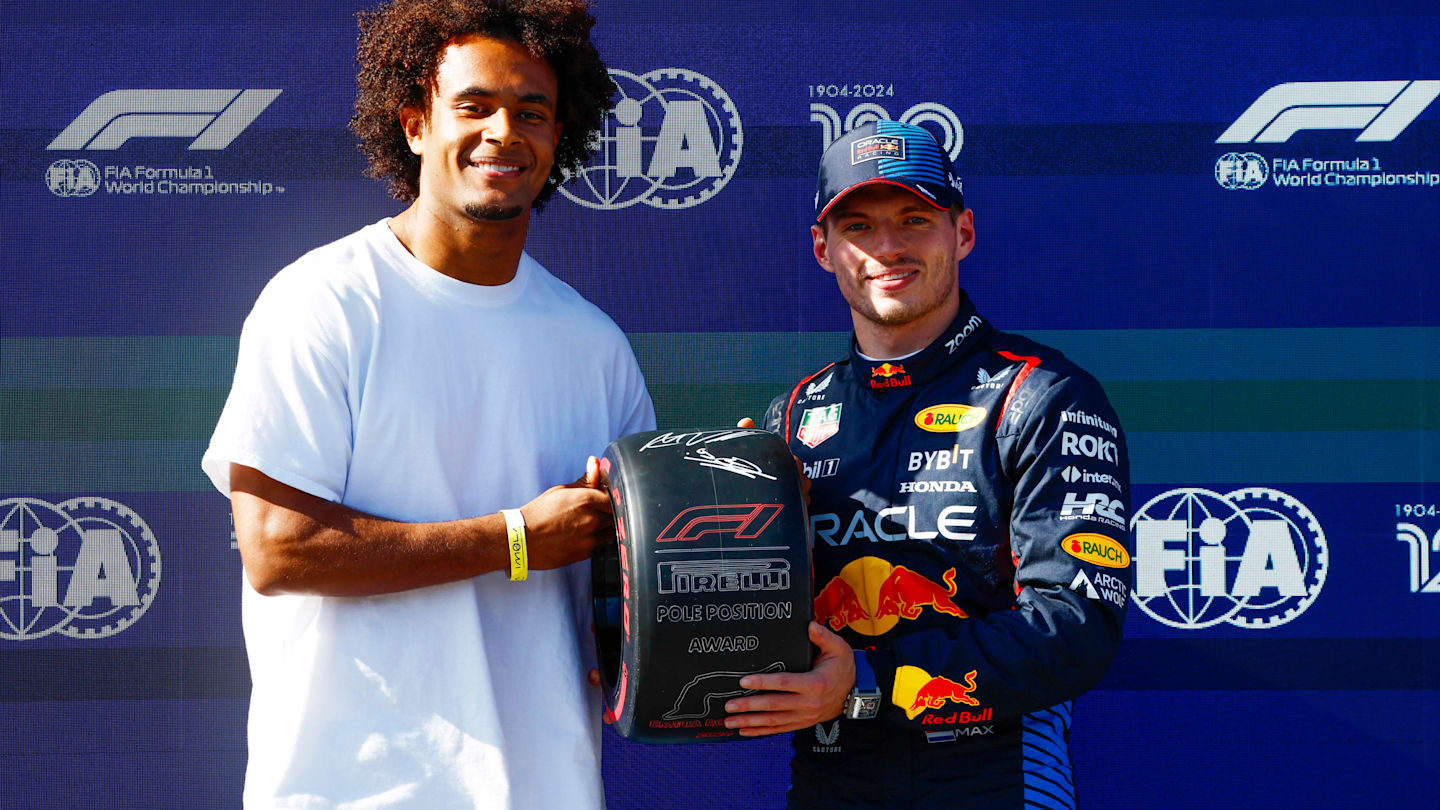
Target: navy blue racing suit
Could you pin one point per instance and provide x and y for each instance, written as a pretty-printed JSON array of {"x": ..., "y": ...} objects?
[{"x": 969, "y": 526}]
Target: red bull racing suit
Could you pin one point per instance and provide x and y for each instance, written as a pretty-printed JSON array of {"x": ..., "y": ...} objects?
[{"x": 969, "y": 524}]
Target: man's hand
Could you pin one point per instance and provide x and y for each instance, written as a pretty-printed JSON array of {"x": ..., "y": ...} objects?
[
  {"x": 796, "y": 700},
  {"x": 564, "y": 524},
  {"x": 747, "y": 422}
]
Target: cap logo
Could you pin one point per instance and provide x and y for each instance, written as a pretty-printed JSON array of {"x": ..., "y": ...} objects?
[{"x": 876, "y": 147}]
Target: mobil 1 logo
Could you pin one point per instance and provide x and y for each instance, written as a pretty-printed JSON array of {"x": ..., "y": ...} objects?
[{"x": 1253, "y": 557}]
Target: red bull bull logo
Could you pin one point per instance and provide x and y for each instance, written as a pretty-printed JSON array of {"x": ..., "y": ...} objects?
[
  {"x": 905, "y": 592},
  {"x": 886, "y": 370},
  {"x": 889, "y": 375},
  {"x": 870, "y": 596},
  {"x": 918, "y": 691}
]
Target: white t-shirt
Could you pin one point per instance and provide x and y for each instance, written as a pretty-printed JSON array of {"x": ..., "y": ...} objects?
[{"x": 368, "y": 378}]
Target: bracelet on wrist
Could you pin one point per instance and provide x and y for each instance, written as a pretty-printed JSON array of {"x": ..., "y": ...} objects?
[{"x": 515, "y": 546}]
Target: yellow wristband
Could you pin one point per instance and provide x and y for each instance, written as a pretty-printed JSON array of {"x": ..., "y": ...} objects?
[{"x": 515, "y": 543}]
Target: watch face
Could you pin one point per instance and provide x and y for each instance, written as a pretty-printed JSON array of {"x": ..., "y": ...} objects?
[{"x": 862, "y": 707}]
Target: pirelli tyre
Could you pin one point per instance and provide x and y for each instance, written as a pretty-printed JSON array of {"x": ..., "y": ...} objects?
[{"x": 708, "y": 580}]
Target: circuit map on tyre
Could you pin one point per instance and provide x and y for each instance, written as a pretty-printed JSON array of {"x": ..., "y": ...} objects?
[{"x": 708, "y": 580}]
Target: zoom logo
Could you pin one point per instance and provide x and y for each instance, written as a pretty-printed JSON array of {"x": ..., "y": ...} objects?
[
  {"x": 1381, "y": 110},
  {"x": 213, "y": 118}
]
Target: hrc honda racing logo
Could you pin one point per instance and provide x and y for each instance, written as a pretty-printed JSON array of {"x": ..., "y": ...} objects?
[
  {"x": 1254, "y": 558},
  {"x": 673, "y": 141},
  {"x": 83, "y": 568}
]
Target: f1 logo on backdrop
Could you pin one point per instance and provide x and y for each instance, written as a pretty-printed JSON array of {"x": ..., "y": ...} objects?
[
  {"x": 1254, "y": 558},
  {"x": 673, "y": 141},
  {"x": 213, "y": 118},
  {"x": 1381, "y": 110},
  {"x": 84, "y": 568}
]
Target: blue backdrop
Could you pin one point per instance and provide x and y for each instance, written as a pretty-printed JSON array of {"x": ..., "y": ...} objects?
[{"x": 1229, "y": 212}]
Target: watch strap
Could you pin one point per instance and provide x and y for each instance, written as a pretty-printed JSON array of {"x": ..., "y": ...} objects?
[{"x": 863, "y": 702}]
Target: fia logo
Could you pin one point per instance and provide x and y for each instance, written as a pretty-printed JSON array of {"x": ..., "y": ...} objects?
[
  {"x": 1241, "y": 172},
  {"x": 1421, "y": 548},
  {"x": 72, "y": 178},
  {"x": 1254, "y": 558},
  {"x": 84, "y": 568},
  {"x": 673, "y": 141}
]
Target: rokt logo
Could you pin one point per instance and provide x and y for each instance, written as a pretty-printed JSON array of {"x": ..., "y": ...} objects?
[
  {"x": 72, "y": 178},
  {"x": 1254, "y": 558},
  {"x": 1382, "y": 110},
  {"x": 1236, "y": 171},
  {"x": 84, "y": 568},
  {"x": 212, "y": 117},
  {"x": 673, "y": 141}
]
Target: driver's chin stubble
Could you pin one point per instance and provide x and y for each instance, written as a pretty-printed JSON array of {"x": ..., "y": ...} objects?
[{"x": 493, "y": 213}]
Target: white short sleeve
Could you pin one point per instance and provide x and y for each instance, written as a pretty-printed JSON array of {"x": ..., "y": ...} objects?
[
  {"x": 637, "y": 411},
  {"x": 288, "y": 413}
]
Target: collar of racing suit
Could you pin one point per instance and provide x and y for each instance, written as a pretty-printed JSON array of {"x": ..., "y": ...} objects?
[{"x": 954, "y": 344}]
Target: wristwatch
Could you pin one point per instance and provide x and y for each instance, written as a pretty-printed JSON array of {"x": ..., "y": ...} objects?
[{"x": 863, "y": 702}]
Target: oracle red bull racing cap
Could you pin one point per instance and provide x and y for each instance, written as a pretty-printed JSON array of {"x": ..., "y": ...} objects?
[{"x": 890, "y": 152}]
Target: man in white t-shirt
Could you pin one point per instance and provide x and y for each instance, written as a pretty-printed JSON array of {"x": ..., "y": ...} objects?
[{"x": 410, "y": 645}]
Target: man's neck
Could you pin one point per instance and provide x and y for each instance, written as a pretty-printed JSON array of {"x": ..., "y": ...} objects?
[
  {"x": 461, "y": 247},
  {"x": 884, "y": 342}
]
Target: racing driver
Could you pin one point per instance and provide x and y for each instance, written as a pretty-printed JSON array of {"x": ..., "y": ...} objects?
[{"x": 968, "y": 512}]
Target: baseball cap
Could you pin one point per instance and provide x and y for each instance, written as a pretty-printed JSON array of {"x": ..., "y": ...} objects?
[{"x": 903, "y": 155}]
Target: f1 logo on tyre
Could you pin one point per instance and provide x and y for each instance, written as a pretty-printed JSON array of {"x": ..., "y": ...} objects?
[{"x": 744, "y": 521}]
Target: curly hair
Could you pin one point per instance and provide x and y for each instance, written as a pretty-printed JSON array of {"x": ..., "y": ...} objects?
[{"x": 400, "y": 47}]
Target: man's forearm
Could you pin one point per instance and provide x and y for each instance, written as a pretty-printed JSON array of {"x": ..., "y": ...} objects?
[{"x": 294, "y": 542}]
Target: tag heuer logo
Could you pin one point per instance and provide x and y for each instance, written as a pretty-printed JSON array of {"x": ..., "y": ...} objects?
[{"x": 818, "y": 424}]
